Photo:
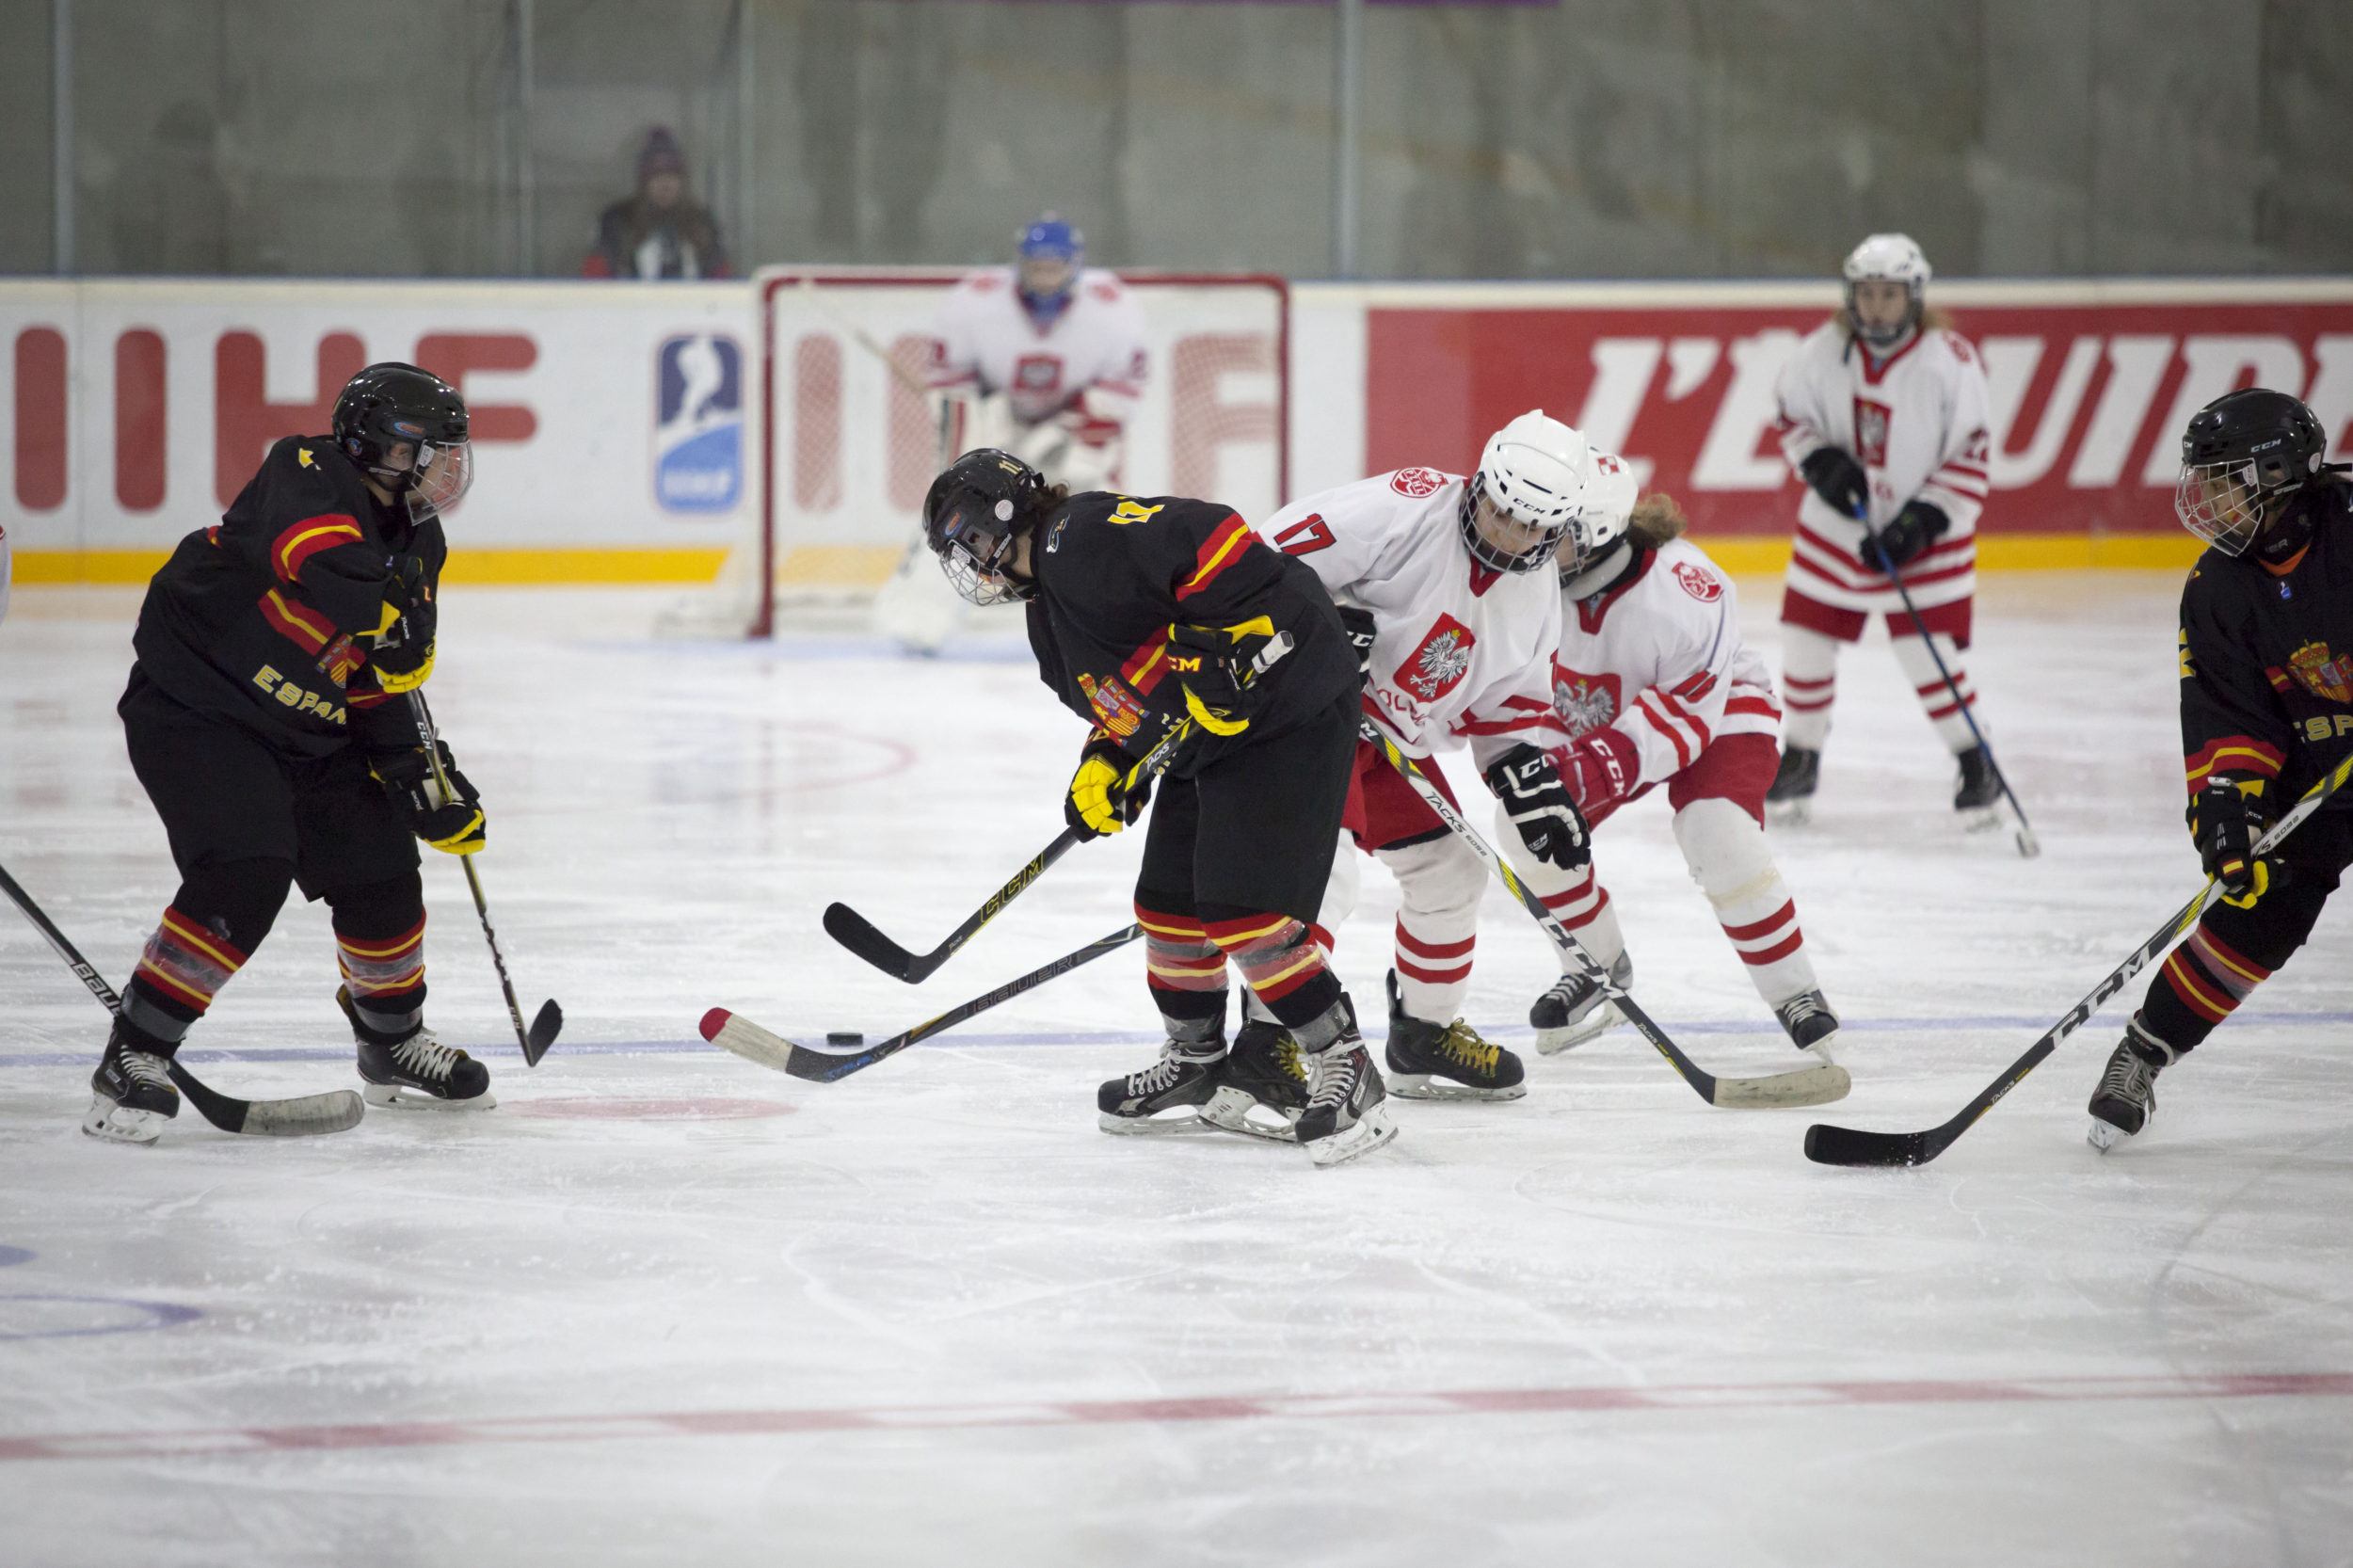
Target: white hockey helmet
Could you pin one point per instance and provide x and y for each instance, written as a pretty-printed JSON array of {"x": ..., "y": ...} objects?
[
  {"x": 1887, "y": 258},
  {"x": 1547, "y": 479},
  {"x": 1534, "y": 472}
]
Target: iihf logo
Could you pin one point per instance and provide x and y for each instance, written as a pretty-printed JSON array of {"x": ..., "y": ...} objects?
[{"x": 698, "y": 437}]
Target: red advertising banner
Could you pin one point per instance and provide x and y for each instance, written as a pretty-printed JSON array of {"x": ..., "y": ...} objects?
[{"x": 2088, "y": 394}]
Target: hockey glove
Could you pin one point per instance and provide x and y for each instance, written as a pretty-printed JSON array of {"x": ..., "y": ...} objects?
[
  {"x": 1837, "y": 478},
  {"x": 1920, "y": 524},
  {"x": 402, "y": 652},
  {"x": 1097, "y": 804},
  {"x": 1538, "y": 804},
  {"x": 2224, "y": 820},
  {"x": 1599, "y": 768},
  {"x": 451, "y": 823},
  {"x": 1362, "y": 634},
  {"x": 1216, "y": 668}
]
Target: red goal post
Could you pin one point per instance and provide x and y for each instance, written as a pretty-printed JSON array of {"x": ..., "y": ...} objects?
[{"x": 849, "y": 444}]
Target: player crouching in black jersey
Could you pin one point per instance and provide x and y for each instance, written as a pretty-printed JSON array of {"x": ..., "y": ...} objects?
[
  {"x": 2267, "y": 650},
  {"x": 267, "y": 718},
  {"x": 1155, "y": 617}
]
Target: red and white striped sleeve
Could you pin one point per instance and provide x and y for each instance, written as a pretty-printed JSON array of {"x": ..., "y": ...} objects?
[
  {"x": 1671, "y": 721},
  {"x": 1958, "y": 485}
]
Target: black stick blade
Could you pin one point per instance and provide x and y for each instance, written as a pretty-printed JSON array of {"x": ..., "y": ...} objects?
[
  {"x": 858, "y": 934},
  {"x": 545, "y": 1027},
  {"x": 1846, "y": 1145}
]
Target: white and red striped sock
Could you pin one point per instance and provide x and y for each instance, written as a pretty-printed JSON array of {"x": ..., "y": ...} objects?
[{"x": 1935, "y": 697}]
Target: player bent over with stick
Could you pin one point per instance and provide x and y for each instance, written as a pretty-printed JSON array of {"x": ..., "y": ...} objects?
[
  {"x": 1654, "y": 686},
  {"x": 1444, "y": 583},
  {"x": 1160, "y": 616}
]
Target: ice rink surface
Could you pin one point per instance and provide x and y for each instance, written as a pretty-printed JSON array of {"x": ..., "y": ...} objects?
[{"x": 662, "y": 1307}]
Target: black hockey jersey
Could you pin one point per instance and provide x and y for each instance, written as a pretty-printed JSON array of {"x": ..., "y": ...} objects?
[
  {"x": 1115, "y": 573},
  {"x": 259, "y": 619},
  {"x": 2268, "y": 657}
]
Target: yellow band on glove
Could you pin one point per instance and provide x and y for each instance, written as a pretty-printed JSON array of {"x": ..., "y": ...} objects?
[
  {"x": 398, "y": 683},
  {"x": 1091, "y": 795},
  {"x": 2258, "y": 884},
  {"x": 1213, "y": 720},
  {"x": 465, "y": 841}
]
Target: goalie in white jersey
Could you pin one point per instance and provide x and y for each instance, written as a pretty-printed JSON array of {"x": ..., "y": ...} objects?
[
  {"x": 1446, "y": 586},
  {"x": 1654, "y": 687},
  {"x": 1043, "y": 359},
  {"x": 1884, "y": 415}
]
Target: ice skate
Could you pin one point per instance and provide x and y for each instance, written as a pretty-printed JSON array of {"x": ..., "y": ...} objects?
[
  {"x": 1979, "y": 794},
  {"x": 1790, "y": 800},
  {"x": 1575, "y": 1010},
  {"x": 417, "y": 1071},
  {"x": 1348, "y": 1111},
  {"x": 2127, "y": 1095},
  {"x": 131, "y": 1094},
  {"x": 1265, "y": 1073},
  {"x": 1809, "y": 1022},
  {"x": 1447, "y": 1062},
  {"x": 1166, "y": 1096}
]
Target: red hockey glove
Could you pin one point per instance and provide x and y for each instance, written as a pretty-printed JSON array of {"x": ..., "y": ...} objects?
[{"x": 1599, "y": 768}]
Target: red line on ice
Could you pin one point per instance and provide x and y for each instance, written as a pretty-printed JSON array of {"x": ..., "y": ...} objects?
[{"x": 639, "y": 1426}]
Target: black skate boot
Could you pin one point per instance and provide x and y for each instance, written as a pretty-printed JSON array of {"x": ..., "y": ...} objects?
[
  {"x": 2127, "y": 1096},
  {"x": 1267, "y": 1073},
  {"x": 1575, "y": 1010},
  {"x": 1348, "y": 1111},
  {"x": 1808, "y": 1021},
  {"x": 1791, "y": 798},
  {"x": 1181, "y": 1081},
  {"x": 131, "y": 1094},
  {"x": 415, "y": 1070},
  {"x": 1447, "y": 1062},
  {"x": 1980, "y": 791}
]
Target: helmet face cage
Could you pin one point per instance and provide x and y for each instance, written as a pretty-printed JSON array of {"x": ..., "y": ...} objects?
[
  {"x": 1492, "y": 555},
  {"x": 2240, "y": 453},
  {"x": 1887, "y": 258},
  {"x": 439, "y": 478},
  {"x": 1886, "y": 337},
  {"x": 975, "y": 556}
]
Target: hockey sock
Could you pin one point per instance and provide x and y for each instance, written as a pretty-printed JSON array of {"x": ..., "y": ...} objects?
[
  {"x": 218, "y": 918},
  {"x": 2201, "y": 984},
  {"x": 379, "y": 947},
  {"x": 1280, "y": 961},
  {"x": 1437, "y": 923},
  {"x": 1809, "y": 684},
  {"x": 1920, "y": 669},
  {"x": 1183, "y": 968},
  {"x": 1729, "y": 859}
]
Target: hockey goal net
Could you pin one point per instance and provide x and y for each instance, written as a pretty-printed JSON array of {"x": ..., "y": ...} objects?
[{"x": 849, "y": 443}]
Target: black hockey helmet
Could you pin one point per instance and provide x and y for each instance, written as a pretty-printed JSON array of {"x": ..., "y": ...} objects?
[
  {"x": 391, "y": 406},
  {"x": 2238, "y": 454},
  {"x": 975, "y": 509}
]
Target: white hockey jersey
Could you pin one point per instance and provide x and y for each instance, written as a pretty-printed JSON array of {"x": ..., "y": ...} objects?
[
  {"x": 1917, "y": 422},
  {"x": 1463, "y": 653},
  {"x": 1092, "y": 357},
  {"x": 1660, "y": 657}
]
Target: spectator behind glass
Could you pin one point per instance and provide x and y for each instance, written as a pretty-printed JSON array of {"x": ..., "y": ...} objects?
[{"x": 661, "y": 232}]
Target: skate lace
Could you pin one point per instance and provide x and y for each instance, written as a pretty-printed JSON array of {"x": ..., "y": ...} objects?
[
  {"x": 1463, "y": 1045},
  {"x": 1159, "y": 1076},
  {"x": 1798, "y": 1009},
  {"x": 146, "y": 1068},
  {"x": 1570, "y": 989},
  {"x": 1335, "y": 1078},
  {"x": 426, "y": 1057}
]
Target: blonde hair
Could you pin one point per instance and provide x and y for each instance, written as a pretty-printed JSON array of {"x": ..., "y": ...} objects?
[
  {"x": 1655, "y": 520},
  {"x": 1933, "y": 318}
]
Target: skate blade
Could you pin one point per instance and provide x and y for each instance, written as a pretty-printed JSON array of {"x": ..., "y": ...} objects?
[
  {"x": 1979, "y": 819},
  {"x": 1229, "y": 1110},
  {"x": 1552, "y": 1042},
  {"x": 1819, "y": 1049},
  {"x": 1159, "y": 1125},
  {"x": 2106, "y": 1136},
  {"x": 1429, "y": 1086},
  {"x": 1372, "y": 1129},
  {"x": 397, "y": 1096},
  {"x": 119, "y": 1124},
  {"x": 1788, "y": 813}
]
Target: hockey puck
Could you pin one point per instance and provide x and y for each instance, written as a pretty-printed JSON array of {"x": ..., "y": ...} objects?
[{"x": 844, "y": 1038}]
